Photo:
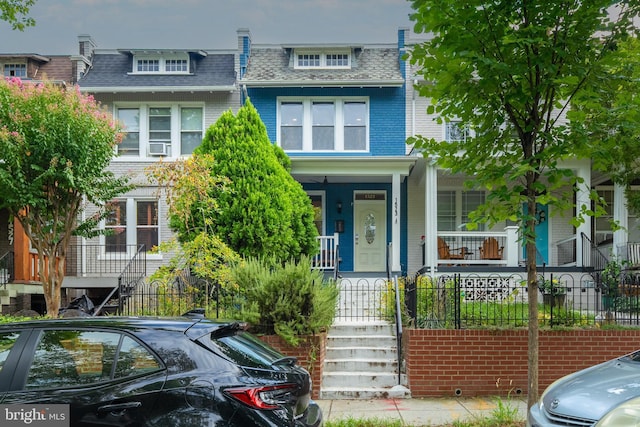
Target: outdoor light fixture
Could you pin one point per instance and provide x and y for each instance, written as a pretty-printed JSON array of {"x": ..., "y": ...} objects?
[{"x": 339, "y": 206}]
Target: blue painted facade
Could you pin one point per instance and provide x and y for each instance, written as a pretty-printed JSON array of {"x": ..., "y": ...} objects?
[{"x": 387, "y": 139}]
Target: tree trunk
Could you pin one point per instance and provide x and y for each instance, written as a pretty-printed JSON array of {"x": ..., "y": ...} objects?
[
  {"x": 532, "y": 288},
  {"x": 51, "y": 269}
]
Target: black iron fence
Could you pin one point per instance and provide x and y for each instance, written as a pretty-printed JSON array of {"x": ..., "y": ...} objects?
[
  {"x": 175, "y": 299},
  {"x": 475, "y": 301},
  {"x": 448, "y": 301}
]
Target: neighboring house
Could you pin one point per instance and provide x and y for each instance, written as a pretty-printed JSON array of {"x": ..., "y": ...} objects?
[
  {"x": 166, "y": 99},
  {"x": 440, "y": 205},
  {"x": 15, "y": 257},
  {"x": 342, "y": 112},
  {"x": 339, "y": 112}
]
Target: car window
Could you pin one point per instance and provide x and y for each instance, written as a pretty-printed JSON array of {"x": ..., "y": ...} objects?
[
  {"x": 71, "y": 358},
  {"x": 134, "y": 359},
  {"x": 67, "y": 358},
  {"x": 7, "y": 341},
  {"x": 247, "y": 350}
]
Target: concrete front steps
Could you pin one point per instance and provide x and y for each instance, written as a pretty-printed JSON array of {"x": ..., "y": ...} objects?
[
  {"x": 10, "y": 291},
  {"x": 362, "y": 362}
]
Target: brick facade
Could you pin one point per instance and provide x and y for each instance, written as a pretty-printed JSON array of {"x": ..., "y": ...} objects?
[{"x": 491, "y": 362}]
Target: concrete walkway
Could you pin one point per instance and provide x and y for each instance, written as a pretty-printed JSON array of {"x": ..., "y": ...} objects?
[{"x": 417, "y": 412}]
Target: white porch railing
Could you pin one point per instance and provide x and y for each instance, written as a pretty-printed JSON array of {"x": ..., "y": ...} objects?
[
  {"x": 475, "y": 247},
  {"x": 327, "y": 258}
]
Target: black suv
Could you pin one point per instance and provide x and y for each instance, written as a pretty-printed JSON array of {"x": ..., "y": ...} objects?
[{"x": 117, "y": 371}]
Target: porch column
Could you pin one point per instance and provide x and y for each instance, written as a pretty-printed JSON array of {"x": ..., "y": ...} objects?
[
  {"x": 582, "y": 199},
  {"x": 621, "y": 216},
  {"x": 395, "y": 222},
  {"x": 431, "y": 217}
]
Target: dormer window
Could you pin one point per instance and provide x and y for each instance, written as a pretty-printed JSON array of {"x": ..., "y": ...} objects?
[
  {"x": 322, "y": 59},
  {"x": 157, "y": 64}
]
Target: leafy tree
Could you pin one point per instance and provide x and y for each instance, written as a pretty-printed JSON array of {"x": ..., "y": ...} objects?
[
  {"x": 509, "y": 70},
  {"x": 188, "y": 184},
  {"x": 15, "y": 13},
  {"x": 54, "y": 147},
  {"x": 263, "y": 211},
  {"x": 608, "y": 113}
]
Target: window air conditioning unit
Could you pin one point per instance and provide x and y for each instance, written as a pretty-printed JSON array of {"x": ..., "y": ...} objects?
[{"x": 158, "y": 149}]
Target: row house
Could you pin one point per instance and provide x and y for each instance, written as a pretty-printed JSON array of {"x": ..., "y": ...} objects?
[{"x": 343, "y": 113}]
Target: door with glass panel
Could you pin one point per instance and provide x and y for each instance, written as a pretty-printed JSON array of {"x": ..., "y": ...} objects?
[{"x": 370, "y": 238}]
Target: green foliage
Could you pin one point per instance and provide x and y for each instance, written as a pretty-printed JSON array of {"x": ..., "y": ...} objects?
[
  {"x": 11, "y": 319},
  {"x": 263, "y": 210},
  {"x": 509, "y": 72},
  {"x": 288, "y": 299},
  {"x": 55, "y": 146},
  {"x": 15, "y": 13},
  {"x": 608, "y": 113}
]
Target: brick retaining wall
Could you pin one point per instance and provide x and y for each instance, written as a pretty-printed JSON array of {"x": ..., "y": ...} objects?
[
  {"x": 470, "y": 362},
  {"x": 310, "y": 354}
]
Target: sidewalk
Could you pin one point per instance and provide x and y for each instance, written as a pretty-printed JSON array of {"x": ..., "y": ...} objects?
[{"x": 416, "y": 412}]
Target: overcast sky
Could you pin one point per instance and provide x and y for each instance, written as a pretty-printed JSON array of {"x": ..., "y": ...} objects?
[{"x": 204, "y": 24}]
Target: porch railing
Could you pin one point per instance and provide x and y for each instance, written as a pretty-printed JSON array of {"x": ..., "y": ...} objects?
[
  {"x": 6, "y": 268},
  {"x": 327, "y": 257},
  {"x": 89, "y": 260},
  {"x": 134, "y": 272},
  {"x": 481, "y": 248}
]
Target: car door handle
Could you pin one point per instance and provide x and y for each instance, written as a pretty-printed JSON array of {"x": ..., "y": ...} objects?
[{"x": 119, "y": 409}]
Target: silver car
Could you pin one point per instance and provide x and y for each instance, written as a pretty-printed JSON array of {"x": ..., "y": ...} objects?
[{"x": 605, "y": 395}]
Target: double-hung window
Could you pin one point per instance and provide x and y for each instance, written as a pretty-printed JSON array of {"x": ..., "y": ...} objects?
[
  {"x": 323, "y": 115},
  {"x": 456, "y": 131},
  {"x": 454, "y": 208},
  {"x": 190, "y": 129},
  {"x": 323, "y": 124},
  {"x": 291, "y": 118},
  {"x": 160, "y": 130},
  {"x": 130, "y": 119},
  {"x": 131, "y": 223}
]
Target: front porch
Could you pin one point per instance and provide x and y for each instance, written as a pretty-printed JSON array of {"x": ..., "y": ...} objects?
[{"x": 102, "y": 272}]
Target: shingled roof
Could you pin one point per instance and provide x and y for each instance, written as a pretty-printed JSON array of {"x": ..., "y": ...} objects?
[
  {"x": 371, "y": 66},
  {"x": 111, "y": 71}
]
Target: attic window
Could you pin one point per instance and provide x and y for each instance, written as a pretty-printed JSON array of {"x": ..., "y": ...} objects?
[
  {"x": 323, "y": 59},
  {"x": 15, "y": 70},
  {"x": 156, "y": 64}
]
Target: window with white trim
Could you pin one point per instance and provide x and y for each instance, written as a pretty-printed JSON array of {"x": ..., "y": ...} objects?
[
  {"x": 454, "y": 207},
  {"x": 455, "y": 131},
  {"x": 15, "y": 70},
  {"x": 132, "y": 222},
  {"x": 322, "y": 59},
  {"x": 160, "y": 130},
  {"x": 176, "y": 63},
  {"x": 323, "y": 124}
]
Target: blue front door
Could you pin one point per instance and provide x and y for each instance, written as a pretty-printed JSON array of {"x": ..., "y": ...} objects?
[{"x": 542, "y": 235}]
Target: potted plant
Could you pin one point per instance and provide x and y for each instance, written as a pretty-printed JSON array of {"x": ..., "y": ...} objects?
[
  {"x": 609, "y": 282},
  {"x": 553, "y": 292}
]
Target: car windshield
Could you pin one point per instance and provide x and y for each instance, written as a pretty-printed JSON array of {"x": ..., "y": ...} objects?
[{"x": 246, "y": 350}]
